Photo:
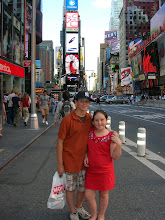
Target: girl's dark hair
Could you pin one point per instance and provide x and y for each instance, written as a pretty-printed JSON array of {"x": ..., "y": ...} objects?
[{"x": 100, "y": 111}]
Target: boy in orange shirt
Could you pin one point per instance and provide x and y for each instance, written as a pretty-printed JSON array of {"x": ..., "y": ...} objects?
[{"x": 71, "y": 150}]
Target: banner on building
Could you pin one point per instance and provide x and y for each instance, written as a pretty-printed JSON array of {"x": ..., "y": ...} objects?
[
  {"x": 115, "y": 47},
  {"x": 71, "y": 21},
  {"x": 71, "y": 4},
  {"x": 72, "y": 64},
  {"x": 110, "y": 36},
  {"x": 72, "y": 43},
  {"x": 126, "y": 76},
  {"x": 134, "y": 45},
  {"x": 58, "y": 57},
  {"x": 82, "y": 57}
]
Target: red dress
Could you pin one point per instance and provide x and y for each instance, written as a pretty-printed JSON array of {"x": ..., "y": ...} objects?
[{"x": 100, "y": 174}]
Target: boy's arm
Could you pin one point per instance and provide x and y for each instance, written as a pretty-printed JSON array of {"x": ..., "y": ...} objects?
[
  {"x": 115, "y": 146},
  {"x": 60, "y": 166}
]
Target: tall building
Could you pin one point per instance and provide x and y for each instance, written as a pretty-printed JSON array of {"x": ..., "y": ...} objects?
[
  {"x": 116, "y": 6},
  {"x": 135, "y": 23},
  {"x": 45, "y": 53}
]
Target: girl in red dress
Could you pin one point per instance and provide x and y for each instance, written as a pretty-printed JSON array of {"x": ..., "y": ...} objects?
[{"x": 103, "y": 147}]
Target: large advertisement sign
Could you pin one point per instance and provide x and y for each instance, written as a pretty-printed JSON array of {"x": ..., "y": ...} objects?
[
  {"x": 134, "y": 45},
  {"x": 150, "y": 58},
  {"x": 72, "y": 43},
  {"x": 72, "y": 21},
  {"x": 126, "y": 76},
  {"x": 110, "y": 36},
  {"x": 71, "y": 4},
  {"x": 72, "y": 64},
  {"x": 158, "y": 20},
  {"x": 58, "y": 57},
  {"x": 115, "y": 47},
  {"x": 82, "y": 57},
  {"x": 161, "y": 50},
  {"x": 11, "y": 69}
]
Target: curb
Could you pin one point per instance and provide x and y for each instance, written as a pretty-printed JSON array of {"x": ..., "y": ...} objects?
[{"x": 24, "y": 148}]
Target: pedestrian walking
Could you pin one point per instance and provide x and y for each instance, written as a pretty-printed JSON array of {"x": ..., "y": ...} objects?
[
  {"x": 103, "y": 147},
  {"x": 64, "y": 108},
  {"x": 71, "y": 149},
  {"x": 98, "y": 100},
  {"x": 25, "y": 107},
  {"x": 53, "y": 104},
  {"x": 1, "y": 119},
  {"x": 16, "y": 108},
  {"x": 10, "y": 115},
  {"x": 44, "y": 105}
]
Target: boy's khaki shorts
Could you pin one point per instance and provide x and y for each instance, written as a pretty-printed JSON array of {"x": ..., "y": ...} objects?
[
  {"x": 76, "y": 179},
  {"x": 45, "y": 110}
]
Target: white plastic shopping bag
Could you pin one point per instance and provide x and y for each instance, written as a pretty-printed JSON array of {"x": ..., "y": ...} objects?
[{"x": 57, "y": 198}]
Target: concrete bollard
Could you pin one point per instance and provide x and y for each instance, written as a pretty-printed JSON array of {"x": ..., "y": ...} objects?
[
  {"x": 108, "y": 125},
  {"x": 141, "y": 142},
  {"x": 122, "y": 131},
  {"x": 92, "y": 113}
]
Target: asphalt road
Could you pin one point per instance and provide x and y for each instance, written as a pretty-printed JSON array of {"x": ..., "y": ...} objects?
[
  {"x": 152, "y": 119},
  {"x": 26, "y": 182}
]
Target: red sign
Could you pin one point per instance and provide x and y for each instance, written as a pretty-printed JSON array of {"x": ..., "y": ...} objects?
[
  {"x": 11, "y": 69},
  {"x": 72, "y": 20},
  {"x": 27, "y": 63}
]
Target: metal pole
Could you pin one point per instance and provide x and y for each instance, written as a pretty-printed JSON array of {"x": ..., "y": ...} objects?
[
  {"x": 34, "y": 118},
  {"x": 108, "y": 125},
  {"x": 141, "y": 142}
]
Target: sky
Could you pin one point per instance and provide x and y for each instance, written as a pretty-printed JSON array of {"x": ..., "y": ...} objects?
[{"x": 94, "y": 15}]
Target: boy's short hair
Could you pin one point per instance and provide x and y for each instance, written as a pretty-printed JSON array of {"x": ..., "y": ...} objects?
[{"x": 66, "y": 95}]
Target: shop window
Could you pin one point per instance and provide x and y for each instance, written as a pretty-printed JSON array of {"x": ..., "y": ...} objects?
[{"x": 17, "y": 41}]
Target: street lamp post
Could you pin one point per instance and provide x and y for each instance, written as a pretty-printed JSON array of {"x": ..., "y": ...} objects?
[{"x": 34, "y": 118}]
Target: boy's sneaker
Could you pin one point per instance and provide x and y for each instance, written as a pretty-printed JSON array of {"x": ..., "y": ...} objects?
[
  {"x": 74, "y": 216},
  {"x": 83, "y": 213},
  {"x": 43, "y": 121},
  {"x": 46, "y": 123}
]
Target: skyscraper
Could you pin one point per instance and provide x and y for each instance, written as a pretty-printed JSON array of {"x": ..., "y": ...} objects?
[{"x": 116, "y": 6}]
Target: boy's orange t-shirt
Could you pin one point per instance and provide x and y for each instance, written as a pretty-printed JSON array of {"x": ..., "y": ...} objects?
[{"x": 75, "y": 135}]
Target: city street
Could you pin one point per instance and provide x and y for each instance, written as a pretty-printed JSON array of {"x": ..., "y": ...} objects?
[{"x": 139, "y": 194}]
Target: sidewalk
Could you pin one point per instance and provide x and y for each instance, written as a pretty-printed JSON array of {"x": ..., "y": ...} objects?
[{"x": 16, "y": 138}]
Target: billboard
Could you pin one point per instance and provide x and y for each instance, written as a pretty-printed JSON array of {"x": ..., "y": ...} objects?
[
  {"x": 134, "y": 45},
  {"x": 71, "y": 4},
  {"x": 161, "y": 51},
  {"x": 110, "y": 36},
  {"x": 58, "y": 57},
  {"x": 71, "y": 21},
  {"x": 158, "y": 20},
  {"x": 115, "y": 47},
  {"x": 82, "y": 57},
  {"x": 72, "y": 43},
  {"x": 72, "y": 64},
  {"x": 126, "y": 76},
  {"x": 150, "y": 58}
]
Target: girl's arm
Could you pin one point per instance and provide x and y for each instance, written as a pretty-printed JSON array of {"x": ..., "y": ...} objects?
[
  {"x": 115, "y": 146},
  {"x": 86, "y": 162}
]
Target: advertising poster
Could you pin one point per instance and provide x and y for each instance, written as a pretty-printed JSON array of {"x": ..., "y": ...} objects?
[
  {"x": 72, "y": 43},
  {"x": 134, "y": 45},
  {"x": 110, "y": 36},
  {"x": 72, "y": 64},
  {"x": 82, "y": 56},
  {"x": 72, "y": 21},
  {"x": 58, "y": 57},
  {"x": 161, "y": 51},
  {"x": 71, "y": 4},
  {"x": 126, "y": 76},
  {"x": 158, "y": 20},
  {"x": 150, "y": 58},
  {"x": 115, "y": 47}
]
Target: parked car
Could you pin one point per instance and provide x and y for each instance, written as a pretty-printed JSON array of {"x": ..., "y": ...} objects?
[
  {"x": 108, "y": 100},
  {"x": 105, "y": 97},
  {"x": 119, "y": 100}
]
